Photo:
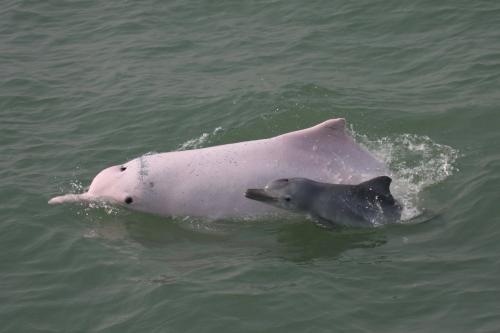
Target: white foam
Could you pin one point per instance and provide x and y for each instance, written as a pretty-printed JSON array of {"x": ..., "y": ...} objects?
[
  {"x": 415, "y": 163},
  {"x": 200, "y": 141}
]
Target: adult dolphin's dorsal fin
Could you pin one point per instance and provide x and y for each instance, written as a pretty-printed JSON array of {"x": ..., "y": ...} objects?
[
  {"x": 327, "y": 128},
  {"x": 379, "y": 185},
  {"x": 336, "y": 125}
]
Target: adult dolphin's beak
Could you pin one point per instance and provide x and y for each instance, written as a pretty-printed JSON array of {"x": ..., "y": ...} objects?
[
  {"x": 259, "y": 195},
  {"x": 84, "y": 197}
]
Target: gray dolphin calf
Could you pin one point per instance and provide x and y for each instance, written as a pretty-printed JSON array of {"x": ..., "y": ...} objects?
[{"x": 363, "y": 205}]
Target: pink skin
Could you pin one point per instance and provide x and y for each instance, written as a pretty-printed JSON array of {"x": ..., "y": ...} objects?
[{"x": 211, "y": 182}]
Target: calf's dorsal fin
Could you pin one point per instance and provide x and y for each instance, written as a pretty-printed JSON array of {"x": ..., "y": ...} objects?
[{"x": 380, "y": 185}]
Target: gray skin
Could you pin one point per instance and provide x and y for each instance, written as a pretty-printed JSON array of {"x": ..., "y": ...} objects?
[{"x": 364, "y": 205}]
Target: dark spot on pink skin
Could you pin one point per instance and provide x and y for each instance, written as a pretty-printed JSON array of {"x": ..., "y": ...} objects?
[
  {"x": 128, "y": 200},
  {"x": 123, "y": 168}
]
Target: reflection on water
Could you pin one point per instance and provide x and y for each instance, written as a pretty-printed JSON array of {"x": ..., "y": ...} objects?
[
  {"x": 295, "y": 239},
  {"x": 305, "y": 241}
]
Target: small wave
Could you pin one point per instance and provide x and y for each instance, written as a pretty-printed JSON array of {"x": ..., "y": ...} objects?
[
  {"x": 200, "y": 141},
  {"x": 415, "y": 162}
]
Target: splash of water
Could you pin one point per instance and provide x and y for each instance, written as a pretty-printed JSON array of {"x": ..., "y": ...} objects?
[
  {"x": 415, "y": 162},
  {"x": 77, "y": 187},
  {"x": 200, "y": 141}
]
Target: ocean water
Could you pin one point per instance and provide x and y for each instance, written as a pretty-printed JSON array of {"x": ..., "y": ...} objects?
[{"x": 88, "y": 84}]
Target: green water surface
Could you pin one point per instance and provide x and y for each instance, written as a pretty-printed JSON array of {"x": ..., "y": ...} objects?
[{"x": 86, "y": 84}]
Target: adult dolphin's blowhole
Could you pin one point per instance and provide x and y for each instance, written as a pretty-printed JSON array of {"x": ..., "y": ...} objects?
[{"x": 211, "y": 182}]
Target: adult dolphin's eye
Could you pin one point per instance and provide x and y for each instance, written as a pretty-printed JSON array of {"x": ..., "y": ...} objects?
[
  {"x": 123, "y": 168},
  {"x": 288, "y": 199},
  {"x": 128, "y": 200}
]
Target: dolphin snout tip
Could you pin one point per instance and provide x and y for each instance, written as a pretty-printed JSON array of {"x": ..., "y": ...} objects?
[
  {"x": 68, "y": 198},
  {"x": 250, "y": 193},
  {"x": 259, "y": 194},
  {"x": 56, "y": 200},
  {"x": 52, "y": 201}
]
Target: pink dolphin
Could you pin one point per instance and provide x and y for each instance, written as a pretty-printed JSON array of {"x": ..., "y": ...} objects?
[{"x": 211, "y": 182}]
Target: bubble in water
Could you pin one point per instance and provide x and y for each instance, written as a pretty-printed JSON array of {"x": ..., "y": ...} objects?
[
  {"x": 77, "y": 187},
  {"x": 107, "y": 207}
]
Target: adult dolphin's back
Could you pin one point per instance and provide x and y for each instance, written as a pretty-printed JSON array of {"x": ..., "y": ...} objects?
[{"x": 211, "y": 182}]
